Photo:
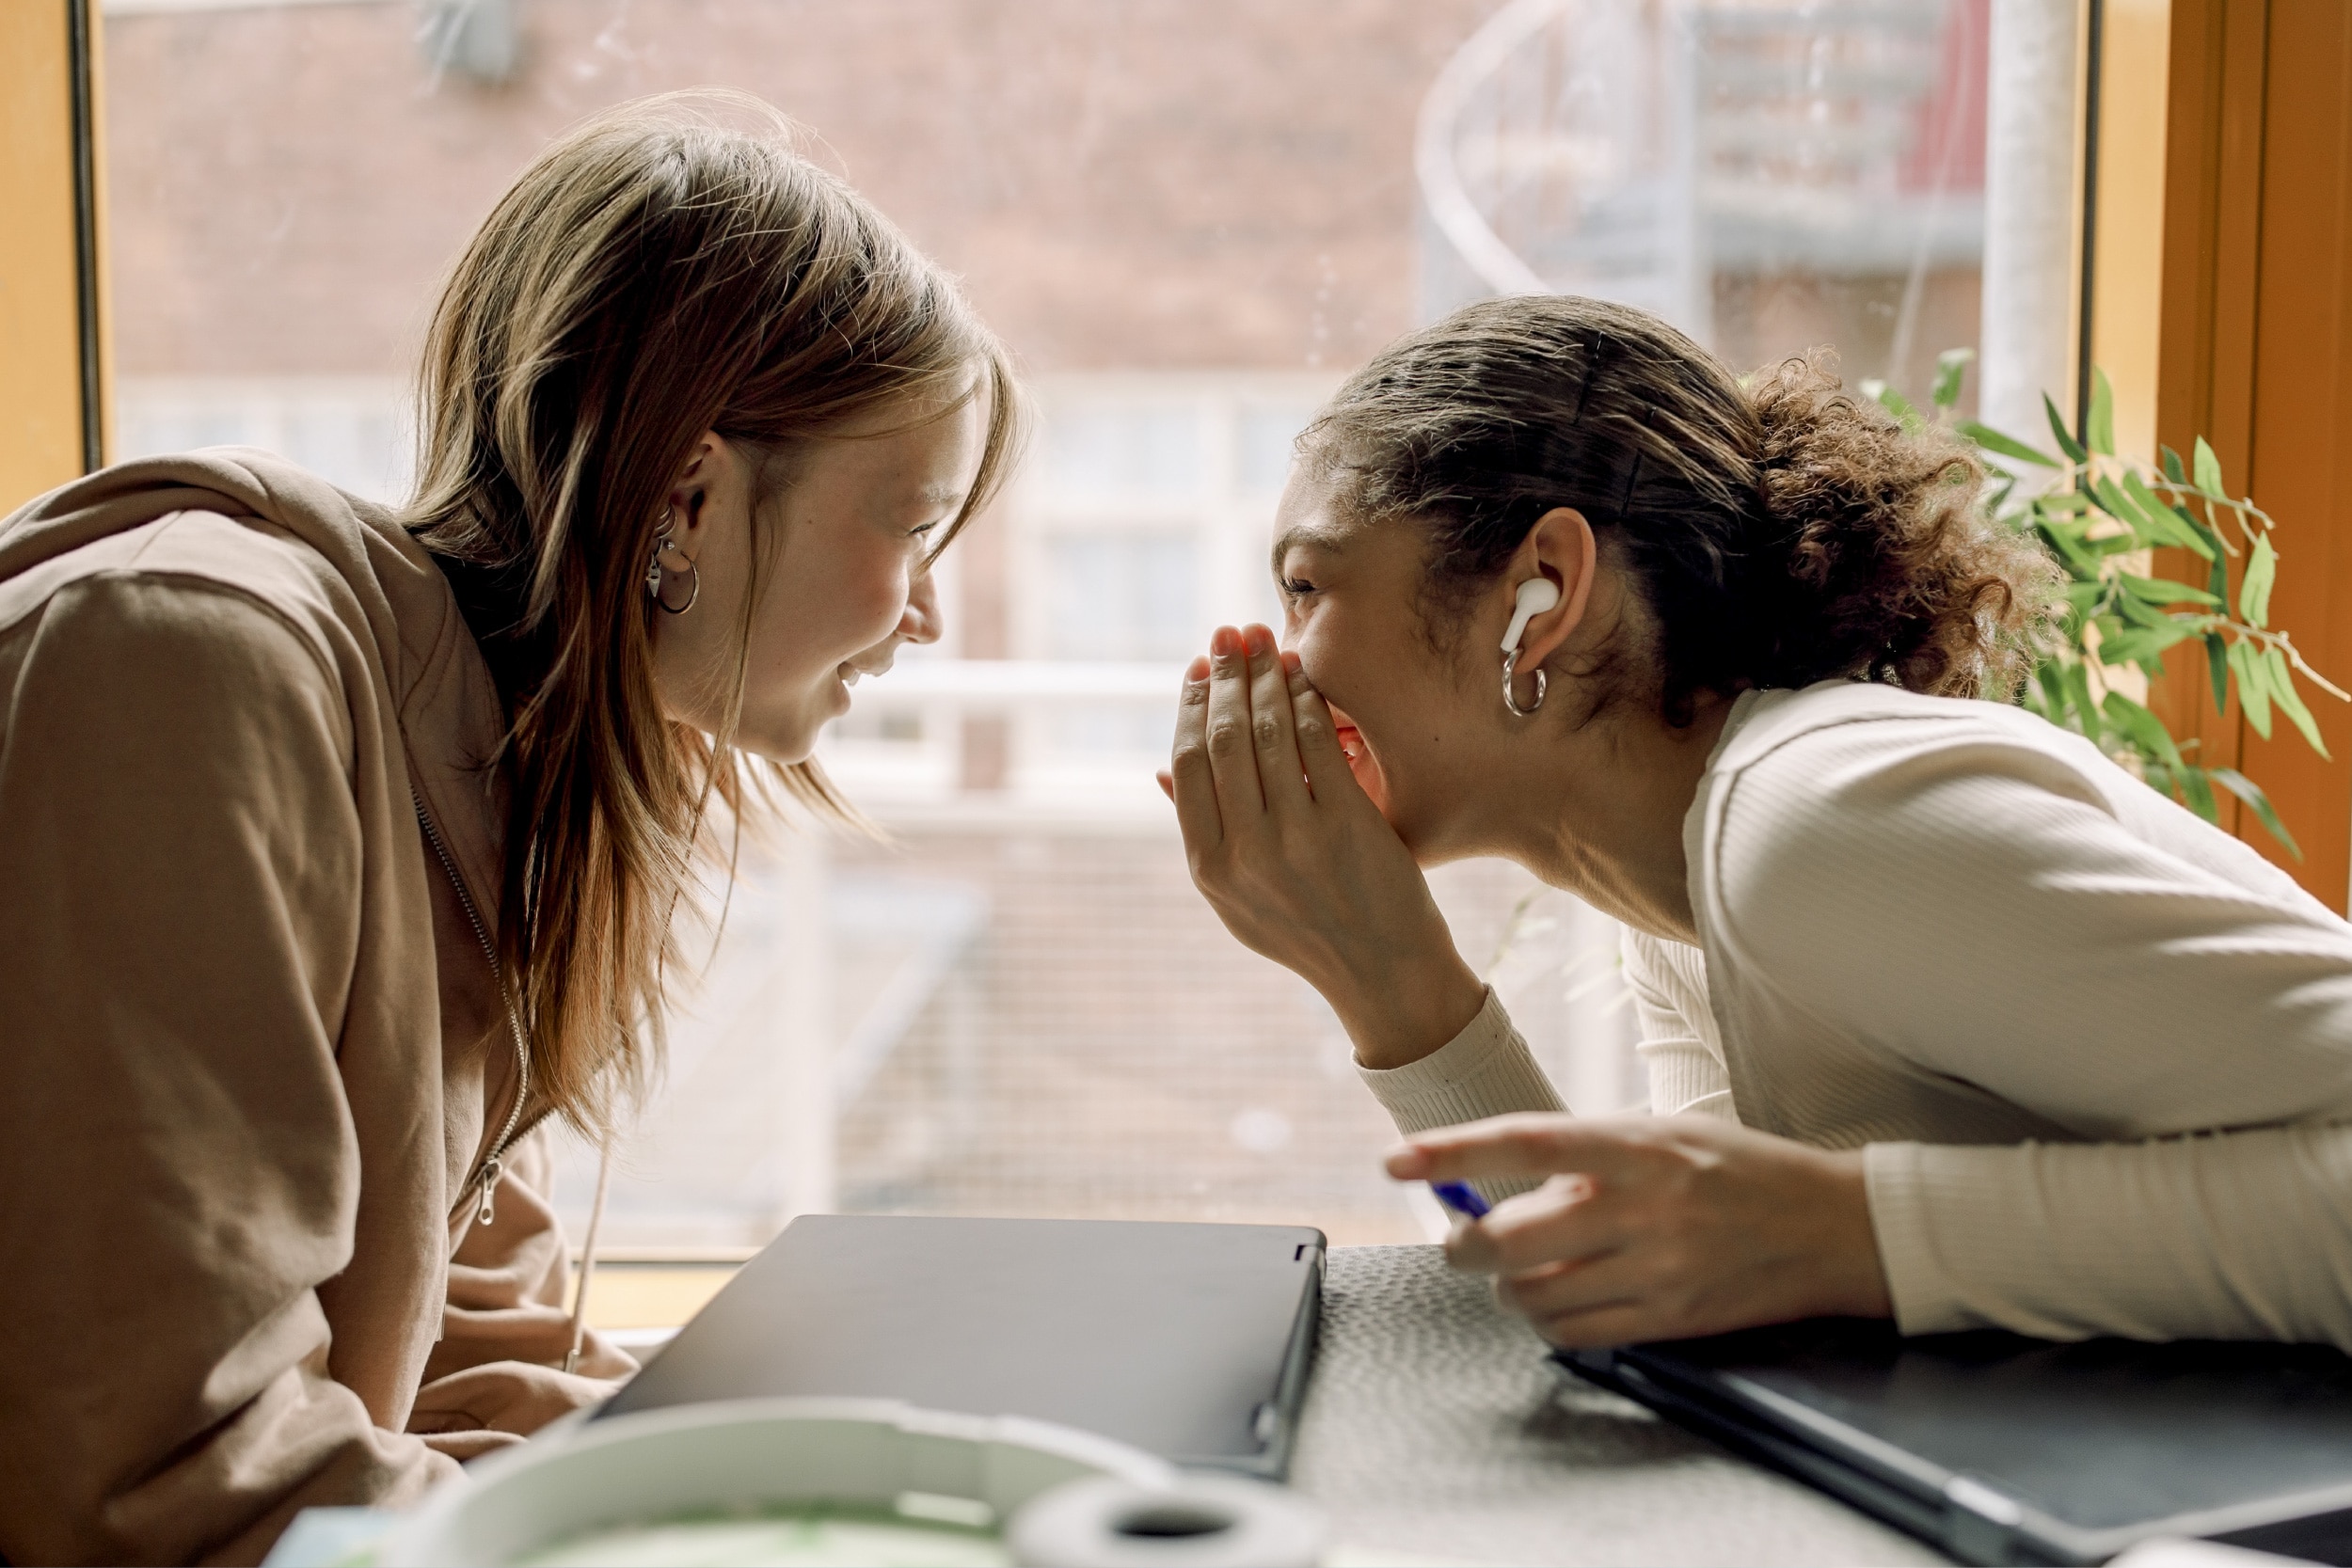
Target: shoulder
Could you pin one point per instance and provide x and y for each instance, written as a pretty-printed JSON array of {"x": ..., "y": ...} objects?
[
  {"x": 1840, "y": 758},
  {"x": 200, "y": 586},
  {"x": 214, "y": 646},
  {"x": 1838, "y": 731},
  {"x": 1841, "y": 795}
]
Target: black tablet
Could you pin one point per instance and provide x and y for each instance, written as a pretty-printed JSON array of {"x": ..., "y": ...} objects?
[
  {"x": 2001, "y": 1449},
  {"x": 1191, "y": 1341}
]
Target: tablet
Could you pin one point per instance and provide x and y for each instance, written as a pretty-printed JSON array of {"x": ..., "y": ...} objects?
[
  {"x": 1191, "y": 1341},
  {"x": 2001, "y": 1449}
]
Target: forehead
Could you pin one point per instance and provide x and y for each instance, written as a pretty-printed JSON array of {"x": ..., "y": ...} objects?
[{"x": 1307, "y": 516}]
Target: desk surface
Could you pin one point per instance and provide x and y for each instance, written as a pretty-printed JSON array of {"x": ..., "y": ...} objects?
[{"x": 1434, "y": 1424}]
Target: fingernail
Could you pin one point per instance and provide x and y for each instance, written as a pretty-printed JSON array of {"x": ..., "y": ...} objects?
[
  {"x": 1260, "y": 641},
  {"x": 1225, "y": 642},
  {"x": 1408, "y": 1164},
  {"x": 1197, "y": 672},
  {"x": 1292, "y": 662}
]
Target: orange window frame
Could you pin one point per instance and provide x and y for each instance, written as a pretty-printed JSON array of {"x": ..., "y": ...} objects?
[
  {"x": 2254, "y": 351},
  {"x": 52, "y": 338}
]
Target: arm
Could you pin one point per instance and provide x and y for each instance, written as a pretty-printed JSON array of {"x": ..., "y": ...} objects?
[
  {"x": 178, "y": 923},
  {"x": 1976, "y": 906}
]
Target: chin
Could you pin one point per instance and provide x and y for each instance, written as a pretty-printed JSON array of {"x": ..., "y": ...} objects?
[{"x": 784, "y": 742}]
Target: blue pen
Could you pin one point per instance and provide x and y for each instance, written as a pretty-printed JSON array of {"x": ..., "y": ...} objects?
[{"x": 1460, "y": 1197}]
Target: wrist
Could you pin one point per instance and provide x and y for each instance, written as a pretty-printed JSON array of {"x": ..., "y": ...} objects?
[
  {"x": 1855, "y": 1283},
  {"x": 1411, "y": 1011}
]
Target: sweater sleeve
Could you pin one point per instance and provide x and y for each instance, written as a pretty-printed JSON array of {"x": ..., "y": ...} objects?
[
  {"x": 178, "y": 921},
  {"x": 1679, "y": 1046},
  {"x": 1485, "y": 1071},
  {"x": 1980, "y": 907}
]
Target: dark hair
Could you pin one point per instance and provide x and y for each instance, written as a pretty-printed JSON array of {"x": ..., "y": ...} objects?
[{"x": 1781, "y": 532}]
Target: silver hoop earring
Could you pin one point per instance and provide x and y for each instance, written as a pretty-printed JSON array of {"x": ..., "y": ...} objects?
[
  {"x": 655, "y": 573},
  {"x": 1510, "y": 672}
]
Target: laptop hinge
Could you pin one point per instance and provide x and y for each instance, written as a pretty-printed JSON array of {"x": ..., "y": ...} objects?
[{"x": 1980, "y": 1521}]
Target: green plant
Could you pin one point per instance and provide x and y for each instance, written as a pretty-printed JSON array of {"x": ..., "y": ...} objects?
[{"x": 2100, "y": 515}]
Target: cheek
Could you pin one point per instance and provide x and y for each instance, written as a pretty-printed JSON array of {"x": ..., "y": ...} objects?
[{"x": 825, "y": 615}]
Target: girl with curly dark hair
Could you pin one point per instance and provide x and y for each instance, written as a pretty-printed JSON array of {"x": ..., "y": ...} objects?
[{"x": 1947, "y": 1017}]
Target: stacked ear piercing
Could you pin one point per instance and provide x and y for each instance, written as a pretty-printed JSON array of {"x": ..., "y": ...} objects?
[
  {"x": 1536, "y": 594},
  {"x": 655, "y": 573}
]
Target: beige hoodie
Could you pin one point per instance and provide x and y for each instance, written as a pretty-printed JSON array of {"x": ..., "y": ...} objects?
[{"x": 252, "y": 1054}]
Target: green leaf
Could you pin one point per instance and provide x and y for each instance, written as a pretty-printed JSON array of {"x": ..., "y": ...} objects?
[
  {"x": 2208, "y": 472},
  {"x": 2135, "y": 611},
  {"x": 2217, "y": 582},
  {"x": 1896, "y": 404},
  {"x": 2086, "y": 711},
  {"x": 2053, "y": 686},
  {"x": 2164, "y": 591},
  {"x": 2008, "y": 446},
  {"x": 2282, "y": 682},
  {"x": 2143, "y": 728},
  {"x": 2100, "y": 427},
  {"x": 2166, "y": 520},
  {"x": 2198, "y": 794},
  {"x": 2139, "y": 643},
  {"x": 2217, "y": 665},
  {"x": 2254, "y": 592},
  {"x": 1950, "y": 366},
  {"x": 2253, "y": 686},
  {"x": 2066, "y": 443},
  {"x": 2251, "y": 793},
  {"x": 2061, "y": 540},
  {"x": 2172, "y": 469}
]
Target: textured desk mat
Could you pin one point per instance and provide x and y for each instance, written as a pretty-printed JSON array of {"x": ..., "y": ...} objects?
[{"x": 1434, "y": 1424}]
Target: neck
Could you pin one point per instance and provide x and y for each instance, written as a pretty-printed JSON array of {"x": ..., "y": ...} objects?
[{"x": 1616, "y": 793}]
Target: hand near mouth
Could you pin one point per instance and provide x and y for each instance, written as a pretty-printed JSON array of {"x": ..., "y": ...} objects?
[{"x": 1296, "y": 859}]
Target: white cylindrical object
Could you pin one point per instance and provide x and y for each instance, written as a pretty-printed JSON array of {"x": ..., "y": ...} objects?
[
  {"x": 2026, "y": 341},
  {"x": 1194, "y": 1521},
  {"x": 735, "y": 1457}
]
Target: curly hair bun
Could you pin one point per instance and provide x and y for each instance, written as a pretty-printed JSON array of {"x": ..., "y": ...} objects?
[{"x": 1885, "y": 563}]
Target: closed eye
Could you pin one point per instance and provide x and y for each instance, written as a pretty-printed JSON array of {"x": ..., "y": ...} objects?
[{"x": 1296, "y": 587}]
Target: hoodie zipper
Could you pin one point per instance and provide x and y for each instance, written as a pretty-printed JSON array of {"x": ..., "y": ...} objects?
[{"x": 493, "y": 1164}]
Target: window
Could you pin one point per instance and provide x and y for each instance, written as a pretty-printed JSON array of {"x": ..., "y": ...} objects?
[{"x": 1190, "y": 222}]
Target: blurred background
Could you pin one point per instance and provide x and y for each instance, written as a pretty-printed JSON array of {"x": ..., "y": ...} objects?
[{"x": 1190, "y": 219}]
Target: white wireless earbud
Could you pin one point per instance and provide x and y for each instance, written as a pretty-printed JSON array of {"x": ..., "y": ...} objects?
[{"x": 1536, "y": 594}]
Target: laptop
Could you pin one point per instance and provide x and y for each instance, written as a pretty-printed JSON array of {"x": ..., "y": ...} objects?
[
  {"x": 1191, "y": 1341},
  {"x": 2000, "y": 1449}
]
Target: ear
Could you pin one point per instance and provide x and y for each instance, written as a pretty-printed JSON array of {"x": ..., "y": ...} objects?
[
  {"x": 1559, "y": 546},
  {"x": 686, "y": 507}
]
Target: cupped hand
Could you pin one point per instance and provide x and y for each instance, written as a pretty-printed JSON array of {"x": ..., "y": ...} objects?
[
  {"x": 1658, "y": 1228},
  {"x": 1296, "y": 860}
]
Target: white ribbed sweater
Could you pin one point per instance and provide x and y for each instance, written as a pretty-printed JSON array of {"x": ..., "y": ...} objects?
[{"x": 2098, "y": 1053}]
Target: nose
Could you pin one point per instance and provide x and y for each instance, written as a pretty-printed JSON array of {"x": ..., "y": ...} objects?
[{"x": 921, "y": 621}]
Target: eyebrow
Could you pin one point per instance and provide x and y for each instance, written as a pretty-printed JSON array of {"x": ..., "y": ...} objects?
[{"x": 1321, "y": 536}]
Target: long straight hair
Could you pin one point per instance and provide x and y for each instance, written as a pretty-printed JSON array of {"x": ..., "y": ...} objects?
[{"x": 670, "y": 267}]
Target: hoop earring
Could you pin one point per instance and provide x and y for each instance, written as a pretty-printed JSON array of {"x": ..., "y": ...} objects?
[
  {"x": 1510, "y": 661},
  {"x": 655, "y": 571}
]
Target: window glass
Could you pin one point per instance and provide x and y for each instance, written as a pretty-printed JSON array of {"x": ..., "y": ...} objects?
[
  {"x": 1190, "y": 221},
  {"x": 1139, "y": 452}
]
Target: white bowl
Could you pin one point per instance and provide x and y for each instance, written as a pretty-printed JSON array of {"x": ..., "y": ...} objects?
[{"x": 742, "y": 1456}]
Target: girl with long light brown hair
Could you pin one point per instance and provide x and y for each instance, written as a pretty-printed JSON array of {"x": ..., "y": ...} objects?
[{"x": 340, "y": 846}]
